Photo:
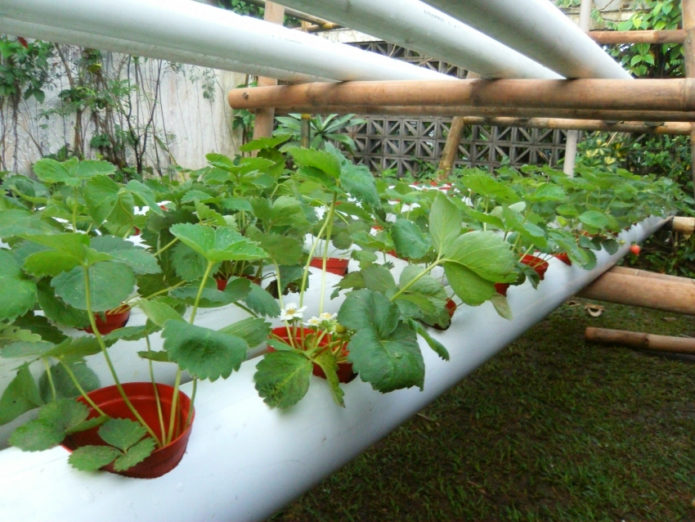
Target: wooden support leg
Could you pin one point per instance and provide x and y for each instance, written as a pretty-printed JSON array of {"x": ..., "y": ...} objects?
[
  {"x": 641, "y": 340},
  {"x": 263, "y": 126},
  {"x": 446, "y": 163},
  {"x": 688, "y": 7}
]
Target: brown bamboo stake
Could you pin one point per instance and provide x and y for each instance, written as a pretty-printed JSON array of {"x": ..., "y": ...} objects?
[
  {"x": 642, "y": 291},
  {"x": 684, "y": 225},
  {"x": 625, "y": 270},
  {"x": 640, "y": 340},
  {"x": 609, "y": 116},
  {"x": 634, "y": 37},
  {"x": 638, "y": 95},
  {"x": 688, "y": 12},
  {"x": 265, "y": 116},
  {"x": 587, "y": 125},
  {"x": 446, "y": 163}
]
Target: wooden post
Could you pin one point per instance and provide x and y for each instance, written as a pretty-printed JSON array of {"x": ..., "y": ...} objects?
[
  {"x": 648, "y": 292},
  {"x": 650, "y": 37},
  {"x": 688, "y": 7},
  {"x": 265, "y": 116},
  {"x": 683, "y": 224},
  {"x": 640, "y": 340}
]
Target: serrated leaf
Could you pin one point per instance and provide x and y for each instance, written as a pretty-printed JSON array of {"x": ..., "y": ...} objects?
[
  {"x": 261, "y": 302},
  {"x": 436, "y": 346},
  {"x": 282, "y": 378},
  {"x": 74, "y": 348},
  {"x": 205, "y": 353},
  {"x": 366, "y": 309},
  {"x": 410, "y": 241},
  {"x": 484, "y": 253},
  {"x": 188, "y": 264},
  {"x": 92, "y": 458},
  {"x": 469, "y": 286},
  {"x": 122, "y": 433},
  {"x": 110, "y": 284},
  {"x": 101, "y": 196},
  {"x": 284, "y": 250},
  {"x": 57, "y": 310},
  {"x": 135, "y": 455},
  {"x": 444, "y": 221},
  {"x": 17, "y": 222},
  {"x": 51, "y": 426},
  {"x": 387, "y": 362},
  {"x": 358, "y": 181},
  {"x": 17, "y": 295},
  {"x": 158, "y": 311},
  {"x": 318, "y": 159},
  {"x": 63, "y": 384},
  {"x": 253, "y": 330},
  {"x": 218, "y": 244},
  {"x": 21, "y": 395},
  {"x": 138, "y": 259}
]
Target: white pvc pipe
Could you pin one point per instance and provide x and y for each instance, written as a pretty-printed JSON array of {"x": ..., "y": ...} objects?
[
  {"x": 416, "y": 25},
  {"x": 245, "y": 461},
  {"x": 541, "y": 31},
  {"x": 191, "y": 32}
]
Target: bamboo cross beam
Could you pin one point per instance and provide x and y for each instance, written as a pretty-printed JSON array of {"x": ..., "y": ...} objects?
[
  {"x": 610, "y": 117},
  {"x": 630, "y": 95},
  {"x": 632, "y": 37}
]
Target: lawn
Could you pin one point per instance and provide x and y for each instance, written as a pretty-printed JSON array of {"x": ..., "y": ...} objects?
[{"x": 552, "y": 428}]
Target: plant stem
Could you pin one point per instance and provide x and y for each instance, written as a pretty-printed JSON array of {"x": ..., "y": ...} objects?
[
  {"x": 77, "y": 384},
  {"x": 109, "y": 363},
  {"x": 415, "y": 279},
  {"x": 49, "y": 376}
]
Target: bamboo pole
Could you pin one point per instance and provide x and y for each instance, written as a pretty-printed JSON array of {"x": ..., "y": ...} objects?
[
  {"x": 265, "y": 116},
  {"x": 640, "y": 340},
  {"x": 634, "y": 37},
  {"x": 630, "y": 95},
  {"x": 561, "y": 116},
  {"x": 685, "y": 225},
  {"x": 625, "y": 270},
  {"x": 647, "y": 292},
  {"x": 688, "y": 12}
]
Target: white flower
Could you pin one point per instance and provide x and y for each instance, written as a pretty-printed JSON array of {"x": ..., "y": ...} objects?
[
  {"x": 291, "y": 312},
  {"x": 324, "y": 320}
]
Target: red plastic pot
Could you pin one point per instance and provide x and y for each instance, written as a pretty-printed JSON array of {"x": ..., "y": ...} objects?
[
  {"x": 345, "y": 371},
  {"x": 539, "y": 265},
  {"x": 564, "y": 257},
  {"x": 141, "y": 395},
  {"x": 334, "y": 265},
  {"x": 111, "y": 320}
]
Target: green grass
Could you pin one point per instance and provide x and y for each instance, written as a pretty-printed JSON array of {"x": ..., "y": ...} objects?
[{"x": 552, "y": 428}]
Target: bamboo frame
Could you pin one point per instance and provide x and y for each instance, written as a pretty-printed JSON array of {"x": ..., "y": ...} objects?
[
  {"x": 640, "y": 340},
  {"x": 677, "y": 95},
  {"x": 634, "y": 37},
  {"x": 683, "y": 224},
  {"x": 649, "y": 292}
]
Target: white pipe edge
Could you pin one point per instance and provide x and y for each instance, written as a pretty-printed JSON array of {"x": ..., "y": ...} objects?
[
  {"x": 540, "y": 30},
  {"x": 415, "y": 25},
  {"x": 191, "y": 32},
  {"x": 245, "y": 461}
]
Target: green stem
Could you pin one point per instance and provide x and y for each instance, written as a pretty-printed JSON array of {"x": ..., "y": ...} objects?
[
  {"x": 201, "y": 287},
  {"x": 160, "y": 414},
  {"x": 415, "y": 279},
  {"x": 49, "y": 376},
  {"x": 107, "y": 358},
  {"x": 329, "y": 232},
  {"x": 77, "y": 384},
  {"x": 166, "y": 247}
]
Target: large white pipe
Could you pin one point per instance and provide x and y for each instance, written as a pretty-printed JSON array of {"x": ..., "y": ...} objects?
[
  {"x": 191, "y": 32},
  {"x": 418, "y": 26},
  {"x": 245, "y": 461},
  {"x": 541, "y": 31}
]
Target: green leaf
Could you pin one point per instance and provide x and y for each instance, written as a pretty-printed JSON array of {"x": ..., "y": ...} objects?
[
  {"x": 469, "y": 286},
  {"x": 189, "y": 264},
  {"x": 253, "y": 330},
  {"x": 284, "y": 250},
  {"x": 15, "y": 223},
  {"x": 485, "y": 253},
  {"x": 57, "y": 310},
  {"x": 158, "y": 311},
  {"x": 101, "y": 196},
  {"x": 221, "y": 244},
  {"x": 145, "y": 195},
  {"x": 318, "y": 159},
  {"x": 62, "y": 381},
  {"x": 49, "y": 263},
  {"x": 122, "y": 433},
  {"x": 367, "y": 309},
  {"x": 410, "y": 241},
  {"x": 70, "y": 245},
  {"x": 74, "y": 348},
  {"x": 358, "y": 181},
  {"x": 17, "y": 295},
  {"x": 388, "y": 362},
  {"x": 21, "y": 395},
  {"x": 205, "y": 353},
  {"x": 55, "y": 419},
  {"x": 92, "y": 458},
  {"x": 598, "y": 220},
  {"x": 135, "y": 455},
  {"x": 261, "y": 302},
  {"x": 110, "y": 284},
  {"x": 282, "y": 378},
  {"x": 138, "y": 259},
  {"x": 436, "y": 346},
  {"x": 444, "y": 221}
]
